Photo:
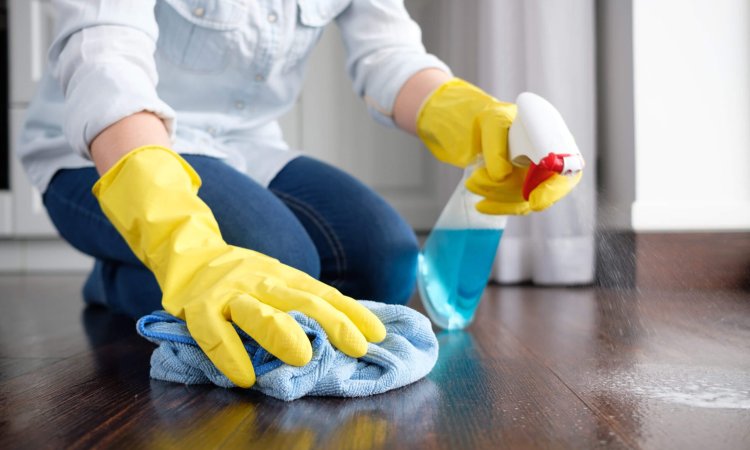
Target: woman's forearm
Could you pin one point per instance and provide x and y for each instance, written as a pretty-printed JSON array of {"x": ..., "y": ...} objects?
[
  {"x": 413, "y": 94},
  {"x": 143, "y": 128}
]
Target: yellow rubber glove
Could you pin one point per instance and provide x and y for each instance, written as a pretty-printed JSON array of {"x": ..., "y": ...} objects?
[
  {"x": 460, "y": 123},
  {"x": 150, "y": 196}
]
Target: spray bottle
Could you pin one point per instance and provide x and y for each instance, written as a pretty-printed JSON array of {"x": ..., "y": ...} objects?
[{"x": 456, "y": 259}]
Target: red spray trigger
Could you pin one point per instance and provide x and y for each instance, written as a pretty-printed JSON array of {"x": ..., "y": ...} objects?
[{"x": 551, "y": 164}]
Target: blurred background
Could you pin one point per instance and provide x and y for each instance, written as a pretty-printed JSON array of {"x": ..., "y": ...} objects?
[{"x": 656, "y": 92}]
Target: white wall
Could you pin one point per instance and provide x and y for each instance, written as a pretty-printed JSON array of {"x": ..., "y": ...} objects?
[{"x": 691, "y": 61}]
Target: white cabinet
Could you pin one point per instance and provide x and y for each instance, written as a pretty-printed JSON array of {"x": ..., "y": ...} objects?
[
  {"x": 30, "y": 26},
  {"x": 28, "y": 241}
]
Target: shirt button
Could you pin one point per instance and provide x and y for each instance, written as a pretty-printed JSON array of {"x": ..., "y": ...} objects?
[
  {"x": 239, "y": 104},
  {"x": 273, "y": 17},
  {"x": 259, "y": 78},
  {"x": 199, "y": 12}
]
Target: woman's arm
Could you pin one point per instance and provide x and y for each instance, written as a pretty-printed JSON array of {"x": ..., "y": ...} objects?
[
  {"x": 143, "y": 128},
  {"x": 413, "y": 94}
]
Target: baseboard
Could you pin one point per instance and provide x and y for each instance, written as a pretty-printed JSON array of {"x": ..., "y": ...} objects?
[
  {"x": 41, "y": 255},
  {"x": 707, "y": 260}
]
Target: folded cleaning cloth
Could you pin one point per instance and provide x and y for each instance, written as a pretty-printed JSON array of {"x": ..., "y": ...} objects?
[{"x": 407, "y": 354}]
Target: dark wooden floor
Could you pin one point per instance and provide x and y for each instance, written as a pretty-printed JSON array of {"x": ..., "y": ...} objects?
[{"x": 541, "y": 367}]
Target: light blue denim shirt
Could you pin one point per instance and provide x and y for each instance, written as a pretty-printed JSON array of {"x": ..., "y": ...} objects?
[{"x": 218, "y": 72}]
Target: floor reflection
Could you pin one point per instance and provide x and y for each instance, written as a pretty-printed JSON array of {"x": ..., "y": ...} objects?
[{"x": 245, "y": 418}]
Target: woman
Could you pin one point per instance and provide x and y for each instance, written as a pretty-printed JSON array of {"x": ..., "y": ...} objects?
[{"x": 147, "y": 101}]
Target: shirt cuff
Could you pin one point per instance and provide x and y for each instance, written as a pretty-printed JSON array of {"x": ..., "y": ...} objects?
[{"x": 104, "y": 95}]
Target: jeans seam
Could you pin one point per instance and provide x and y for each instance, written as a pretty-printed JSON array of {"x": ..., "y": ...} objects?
[{"x": 322, "y": 225}]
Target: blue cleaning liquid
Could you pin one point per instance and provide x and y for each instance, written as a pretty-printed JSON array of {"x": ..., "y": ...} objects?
[{"x": 454, "y": 266}]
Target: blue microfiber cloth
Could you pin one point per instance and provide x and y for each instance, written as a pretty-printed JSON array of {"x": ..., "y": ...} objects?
[{"x": 407, "y": 354}]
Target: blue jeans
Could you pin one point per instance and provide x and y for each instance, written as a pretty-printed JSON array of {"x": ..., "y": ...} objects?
[{"x": 312, "y": 216}]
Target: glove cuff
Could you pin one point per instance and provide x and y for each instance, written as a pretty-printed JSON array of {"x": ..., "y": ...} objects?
[
  {"x": 445, "y": 122},
  {"x": 111, "y": 175}
]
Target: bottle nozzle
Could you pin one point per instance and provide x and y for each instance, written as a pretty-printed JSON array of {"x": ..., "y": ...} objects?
[
  {"x": 563, "y": 164},
  {"x": 553, "y": 163}
]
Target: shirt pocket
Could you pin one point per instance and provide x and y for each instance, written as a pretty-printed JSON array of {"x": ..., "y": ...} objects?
[
  {"x": 312, "y": 17},
  {"x": 197, "y": 35}
]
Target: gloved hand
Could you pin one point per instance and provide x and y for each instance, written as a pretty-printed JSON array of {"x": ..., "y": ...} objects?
[
  {"x": 150, "y": 196},
  {"x": 460, "y": 124},
  {"x": 539, "y": 189}
]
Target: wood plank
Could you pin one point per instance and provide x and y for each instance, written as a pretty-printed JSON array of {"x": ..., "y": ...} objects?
[
  {"x": 13, "y": 367},
  {"x": 693, "y": 260},
  {"x": 64, "y": 403},
  {"x": 41, "y": 316},
  {"x": 708, "y": 260},
  {"x": 666, "y": 369}
]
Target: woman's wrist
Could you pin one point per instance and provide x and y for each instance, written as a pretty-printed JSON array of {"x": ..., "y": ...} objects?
[
  {"x": 413, "y": 94},
  {"x": 137, "y": 130}
]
